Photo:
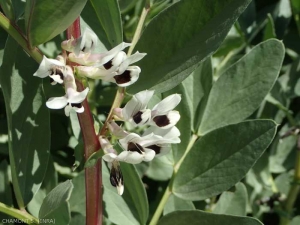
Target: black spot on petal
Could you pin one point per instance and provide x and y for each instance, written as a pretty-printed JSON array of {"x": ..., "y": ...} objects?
[
  {"x": 135, "y": 147},
  {"x": 161, "y": 121},
  {"x": 123, "y": 78},
  {"x": 77, "y": 105},
  {"x": 155, "y": 148},
  {"x": 108, "y": 65},
  {"x": 137, "y": 118},
  {"x": 83, "y": 49},
  {"x": 60, "y": 73}
]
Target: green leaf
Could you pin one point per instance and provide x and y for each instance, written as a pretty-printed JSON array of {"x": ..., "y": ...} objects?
[
  {"x": 296, "y": 6},
  {"x": 283, "y": 152},
  {"x": 296, "y": 220},
  {"x": 197, "y": 88},
  {"x": 28, "y": 122},
  {"x": 241, "y": 89},
  {"x": 109, "y": 16},
  {"x": 132, "y": 206},
  {"x": 174, "y": 204},
  {"x": 161, "y": 168},
  {"x": 46, "y": 19},
  {"x": 56, "y": 206},
  {"x": 233, "y": 202},
  {"x": 89, "y": 16},
  {"x": 49, "y": 183},
  {"x": 77, "y": 199},
  {"x": 180, "y": 37},
  {"x": 12, "y": 9},
  {"x": 221, "y": 158},
  {"x": 197, "y": 217}
]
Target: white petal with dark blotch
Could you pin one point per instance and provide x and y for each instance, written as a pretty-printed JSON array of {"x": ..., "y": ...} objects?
[
  {"x": 46, "y": 67},
  {"x": 130, "y": 60},
  {"x": 137, "y": 103},
  {"x": 167, "y": 104},
  {"x": 76, "y": 97}
]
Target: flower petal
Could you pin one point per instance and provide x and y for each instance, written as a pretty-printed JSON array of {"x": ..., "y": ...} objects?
[
  {"x": 128, "y": 77},
  {"x": 130, "y": 60},
  {"x": 78, "y": 110},
  {"x": 166, "y": 121},
  {"x": 109, "y": 55},
  {"x": 76, "y": 97},
  {"x": 46, "y": 66},
  {"x": 130, "y": 157},
  {"x": 57, "y": 78},
  {"x": 106, "y": 145},
  {"x": 132, "y": 137},
  {"x": 68, "y": 109},
  {"x": 167, "y": 104},
  {"x": 57, "y": 102},
  {"x": 116, "y": 130},
  {"x": 149, "y": 155},
  {"x": 94, "y": 73},
  {"x": 137, "y": 103},
  {"x": 88, "y": 42},
  {"x": 109, "y": 157},
  {"x": 116, "y": 177}
]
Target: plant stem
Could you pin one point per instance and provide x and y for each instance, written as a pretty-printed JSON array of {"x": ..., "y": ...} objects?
[
  {"x": 168, "y": 191},
  {"x": 138, "y": 30},
  {"x": 293, "y": 192},
  {"x": 13, "y": 30},
  {"x": 21, "y": 215},
  {"x": 188, "y": 148},
  {"x": 121, "y": 90},
  {"x": 161, "y": 205},
  {"x": 93, "y": 175}
]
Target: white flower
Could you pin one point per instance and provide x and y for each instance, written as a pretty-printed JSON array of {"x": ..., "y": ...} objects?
[
  {"x": 162, "y": 114},
  {"x": 53, "y": 68},
  {"x": 112, "y": 66},
  {"x": 135, "y": 111},
  {"x": 116, "y": 177},
  {"x": 170, "y": 135},
  {"x": 85, "y": 43},
  {"x": 72, "y": 99},
  {"x": 128, "y": 77},
  {"x": 101, "y": 59}
]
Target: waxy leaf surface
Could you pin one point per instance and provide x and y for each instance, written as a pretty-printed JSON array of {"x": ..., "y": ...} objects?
[
  {"x": 221, "y": 158},
  {"x": 180, "y": 37}
]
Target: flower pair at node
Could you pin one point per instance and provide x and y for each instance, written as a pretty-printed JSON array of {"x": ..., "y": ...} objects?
[
  {"x": 155, "y": 141},
  {"x": 161, "y": 115},
  {"x": 58, "y": 72},
  {"x": 111, "y": 66}
]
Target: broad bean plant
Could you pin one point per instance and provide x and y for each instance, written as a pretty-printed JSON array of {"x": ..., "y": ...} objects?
[{"x": 149, "y": 112}]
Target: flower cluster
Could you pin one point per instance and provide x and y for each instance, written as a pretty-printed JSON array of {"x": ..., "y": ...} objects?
[
  {"x": 112, "y": 66},
  {"x": 156, "y": 139}
]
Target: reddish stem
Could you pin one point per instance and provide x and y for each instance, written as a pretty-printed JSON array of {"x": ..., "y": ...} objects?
[{"x": 93, "y": 175}]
